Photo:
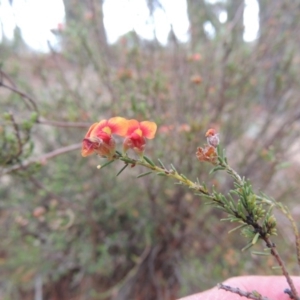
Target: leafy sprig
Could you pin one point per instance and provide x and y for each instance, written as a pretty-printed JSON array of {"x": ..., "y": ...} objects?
[{"x": 253, "y": 213}]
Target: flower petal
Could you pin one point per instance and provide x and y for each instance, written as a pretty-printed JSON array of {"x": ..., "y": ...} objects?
[
  {"x": 87, "y": 147},
  {"x": 134, "y": 142},
  {"x": 90, "y": 130},
  {"x": 118, "y": 125},
  {"x": 106, "y": 149},
  {"x": 98, "y": 128},
  {"x": 210, "y": 132},
  {"x": 148, "y": 128},
  {"x": 132, "y": 126}
]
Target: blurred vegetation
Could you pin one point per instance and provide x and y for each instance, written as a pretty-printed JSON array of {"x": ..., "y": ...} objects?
[{"x": 69, "y": 231}]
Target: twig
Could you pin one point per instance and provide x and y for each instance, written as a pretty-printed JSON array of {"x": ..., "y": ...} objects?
[
  {"x": 238, "y": 14},
  {"x": 287, "y": 291},
  {"x": 7, "y": 77},
  {"x": 17, "y": 133},
  {"x": 63, "y": 124},
  {"x": 17, "y": 91},
  {"x": 251, "y": 295},
  {"x": 286, "y": 212},
  {"x": 133, "y": 272},
  {"x": 42, "y": 158},
  {"x": 14, "y": 89},
  {"x": 233, "y": 173},
  {"x": 280, "y": 262}
]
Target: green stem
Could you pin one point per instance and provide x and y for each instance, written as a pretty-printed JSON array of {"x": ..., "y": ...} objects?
[
  {"x": 169, "y": 173},
  {"x": 232, "y": 172}
]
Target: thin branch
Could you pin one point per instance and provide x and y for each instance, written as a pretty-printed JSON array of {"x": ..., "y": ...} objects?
[
  {"x": 133, "y": 272},
  {"x": 42, "y": 158},
  {"x": 250, "y": 295},
  {"x": 17, "y": 133},
  {"x": 7, "y": 77},
  {"x": 233, "y": 173},
  {"x": 13, "y": 88},
  {"x": 63, "y": 124},
  {"x": 238, "y": 15},
  {"x": 17, "y": 91},
  {"x": 286, "y": 212},
  {"x": 280, "y": 262}
]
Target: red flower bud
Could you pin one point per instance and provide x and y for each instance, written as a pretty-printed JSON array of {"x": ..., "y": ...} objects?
[{"x": 212, "y": 137}]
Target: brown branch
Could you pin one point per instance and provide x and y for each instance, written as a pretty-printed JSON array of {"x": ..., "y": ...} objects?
[
  {"x": 42, "y": 159},
  {"x": 286, "y": 212},
  {"x": 131, "y": 274},
  {"x": 17, "y": 91},
  {"x": 251, "y": 295},
  {"x": 238, "y": 14},
  {"x": 7, "y": 77},
  {"x": 17, "y": 133},
  {"x": 280, "y": 262},
  {"x": 63, "y": 124},
  {"x": 14, "y": 89}
]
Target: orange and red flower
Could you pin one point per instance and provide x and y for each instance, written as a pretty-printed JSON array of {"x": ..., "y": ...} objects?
[
  {"x": 136, "y": 134},
  {"x": 99, "y": 137}
]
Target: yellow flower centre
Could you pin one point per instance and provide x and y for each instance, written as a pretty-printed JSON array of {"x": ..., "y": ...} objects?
[
  {"x": 107, "y": 130},
  {"x": 139, "y": 132}
]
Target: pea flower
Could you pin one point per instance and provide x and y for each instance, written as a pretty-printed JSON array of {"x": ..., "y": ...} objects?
[
  {"x": 99, "y": 137},
  {"x": 136, "y": 134}
]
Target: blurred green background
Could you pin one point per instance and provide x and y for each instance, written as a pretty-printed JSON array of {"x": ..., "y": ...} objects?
[{"x": 71, "y": 231}]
